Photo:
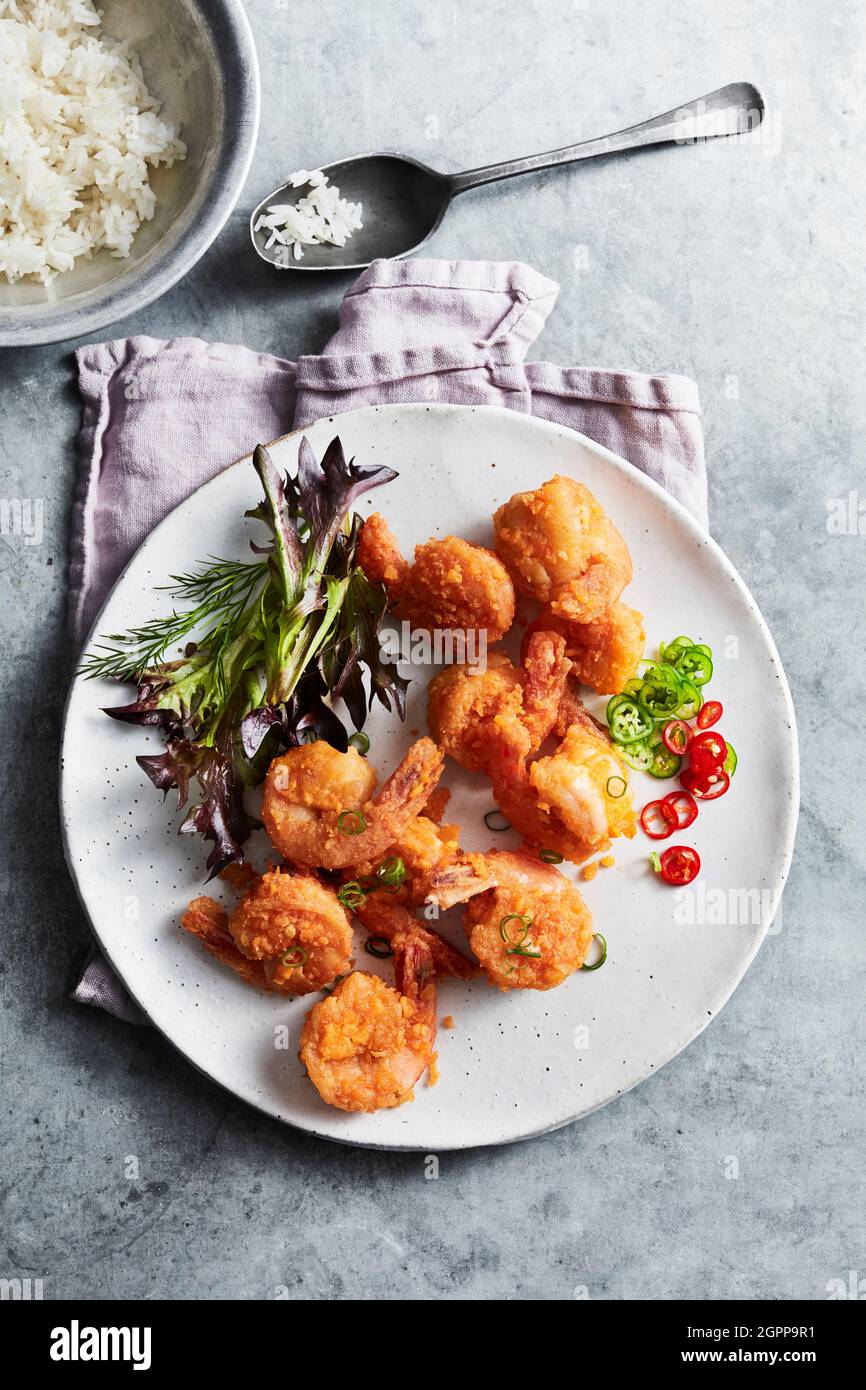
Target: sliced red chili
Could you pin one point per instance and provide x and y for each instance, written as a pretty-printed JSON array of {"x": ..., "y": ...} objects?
[
  {"x": 676, "y": 735},
  {"x": 685, "y": 806},
  {"x": 707, "y": 751},
  {"x": 706, "y": 788},
  {"x": 658, "y": 820},
  {"x": 709, "y": 714},
  {"x": 679, "y": 864}
]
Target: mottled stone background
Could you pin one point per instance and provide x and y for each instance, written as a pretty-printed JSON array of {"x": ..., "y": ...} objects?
[{"x": 740, "y": 266}]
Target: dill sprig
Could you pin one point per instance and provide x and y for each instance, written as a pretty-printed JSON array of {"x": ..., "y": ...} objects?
[
  {"x": 252, "y": 650},
  {"x": 221, "y": 593}
]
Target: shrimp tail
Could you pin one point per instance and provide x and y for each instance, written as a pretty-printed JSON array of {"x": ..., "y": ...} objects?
[
  {"x": 396, "y": 923},
  {"x": 207, "y": 919},
  {"x": 447, "y": 960},
  {"x": 410, "y": 785},
  {"x": 547, "y": 667},
  {"x": 458, "y": 881},
  {"x": 414, "y": 966},
  {"x": 380, "y": 557}
]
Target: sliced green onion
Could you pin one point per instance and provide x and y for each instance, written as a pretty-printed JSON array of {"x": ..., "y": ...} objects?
[
  {"x": 532, "y": 952},
  {"x": 299, "y": 955},
  {"x": 526, "y": 923},
  {"x": 378, "y": 946},
  {"x": 353, "y": 894},
  {"x": 492, "y": 815},
  {"x": 655, "y": 863},
  {"x": 361, "y": 743},
  {"x": 597, "y": 936},
  {"x": 550, "y": 856},
  {"x": 329, "y": 989},
  {"x": 391, "y": 873},
  {"x": 730, "y": 763},
  {"x": 351, "y": 822},
  {"x": 616, "y": 787}
]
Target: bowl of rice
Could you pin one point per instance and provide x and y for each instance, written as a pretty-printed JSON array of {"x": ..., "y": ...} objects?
[{"x": 127, "y": 131}]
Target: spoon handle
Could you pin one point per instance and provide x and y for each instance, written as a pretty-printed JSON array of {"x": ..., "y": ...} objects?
[{"x": 731, "y": 110}]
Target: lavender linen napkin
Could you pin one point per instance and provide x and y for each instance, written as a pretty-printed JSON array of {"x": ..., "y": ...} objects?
[{"x": 160, "y": 418}]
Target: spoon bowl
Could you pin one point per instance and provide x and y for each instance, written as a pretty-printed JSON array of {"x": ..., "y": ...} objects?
[
  {"x": 403, "y": 201},
  {"x": 402, "y": 204}
]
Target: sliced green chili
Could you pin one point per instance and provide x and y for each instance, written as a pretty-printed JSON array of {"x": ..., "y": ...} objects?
[
  {"x": 497, "y": 829},
  {"x": 660, "y": 693},
  {"x": 664, "y": 762},
  {"x": 695, "y": 665},
  {"x": 638, "y": 755},
  {"x": 629, "y": 721},
  {"x": 550, "y": 856},
  {"x": 691, "y": 699},
  {"x": 351, "y": 822}
]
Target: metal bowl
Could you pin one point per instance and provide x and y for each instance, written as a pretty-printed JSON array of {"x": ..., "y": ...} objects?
[{"x": 199, "y": 60}]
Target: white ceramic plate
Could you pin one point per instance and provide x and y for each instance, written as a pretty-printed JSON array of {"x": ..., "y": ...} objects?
[{"x": 518, "y": 1064}]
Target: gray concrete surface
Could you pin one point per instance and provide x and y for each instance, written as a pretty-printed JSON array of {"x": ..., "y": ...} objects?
[{"x": 743, "y": 268}]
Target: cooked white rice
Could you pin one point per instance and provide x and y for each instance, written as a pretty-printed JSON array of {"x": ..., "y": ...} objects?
[
  {"x": 321, "y": 216},
  {"x": 79, "y": 132}
]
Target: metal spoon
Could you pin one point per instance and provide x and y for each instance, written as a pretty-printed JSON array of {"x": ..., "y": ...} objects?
[{"x": 404, "y": 201}]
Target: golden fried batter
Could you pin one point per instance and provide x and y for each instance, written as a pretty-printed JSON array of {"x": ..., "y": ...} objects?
[
  {"x": 383, "y": 915},
  {"x": 318, "y": 806},
  {"x": 297, "y": 928},
  {"x": 452, "y": 584},
  {"x": 575, "y": 801},
  {"x": 366, "y": 1045},
  {"x": 491, "y": 721},
  {"x": 525, "y": 921},
  {"x": 604, "y": 653},
  {"x": 560, "y": 548},
  {"x": 289, "y": 933}
]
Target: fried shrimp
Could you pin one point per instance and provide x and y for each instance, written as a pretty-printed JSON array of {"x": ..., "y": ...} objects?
[
  {"x": 367, "y": 1044},
  {"x": 560, "y": 548},
  {"x": 451, "y": 584},
  {"x": 525, "y": 921},
  {"x": 575, "y": 801},
  {"x": 491, "y": 721},
  {"x": 384, "y": 917},
  {"x": 289, "y": 933},
  {"x": 318, "y": 805},
  {"x": 421, "y": 847},
  {"x": 604, "y": 653}
]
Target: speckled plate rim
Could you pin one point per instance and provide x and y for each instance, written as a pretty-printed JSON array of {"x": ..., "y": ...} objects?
[{"x": 791, "y": 816}]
